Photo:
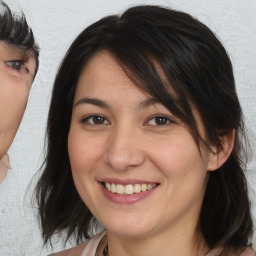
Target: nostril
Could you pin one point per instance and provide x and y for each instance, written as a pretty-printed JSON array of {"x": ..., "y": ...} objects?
[{"x": 124, "y": 159}]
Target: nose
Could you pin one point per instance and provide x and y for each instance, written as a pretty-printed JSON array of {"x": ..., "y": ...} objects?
[{"x": 124, "y": 150}]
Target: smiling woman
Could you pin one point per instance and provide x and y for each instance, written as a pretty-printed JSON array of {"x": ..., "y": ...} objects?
[
  {"x": 18, "y": 66},
  {"x": 144, "y": 137}
]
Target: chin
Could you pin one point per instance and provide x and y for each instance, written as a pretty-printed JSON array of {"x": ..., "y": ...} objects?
[{"x": 128, "y": 228}]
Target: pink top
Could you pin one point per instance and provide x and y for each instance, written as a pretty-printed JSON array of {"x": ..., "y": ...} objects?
[{"x": 91, "y": 248}]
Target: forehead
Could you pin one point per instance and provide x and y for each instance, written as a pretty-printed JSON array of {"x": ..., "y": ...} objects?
[
  {"x": 106, "y": 74},
  {"x": 101, "y": 68},
  {"x": 106, "y": 64},
  {"x": 104, "y": 78}
]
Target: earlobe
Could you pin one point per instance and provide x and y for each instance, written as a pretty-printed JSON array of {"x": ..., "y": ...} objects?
[{"x": 219, "y": 157}]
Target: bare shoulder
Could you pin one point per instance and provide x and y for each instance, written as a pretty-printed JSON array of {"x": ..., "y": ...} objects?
[{"x": 74, "y": 251}]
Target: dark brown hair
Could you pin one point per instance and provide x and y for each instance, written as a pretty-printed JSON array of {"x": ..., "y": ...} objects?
[{"x": 199, "y": 71}]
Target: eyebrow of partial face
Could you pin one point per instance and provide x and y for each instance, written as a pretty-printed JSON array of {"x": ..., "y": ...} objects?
[
  {"x": 19, "y": 50},
  {"x": 93, "y": 101}
]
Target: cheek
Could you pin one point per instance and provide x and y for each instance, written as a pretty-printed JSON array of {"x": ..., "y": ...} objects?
[
  {"x": 84, "y": 156},
  {"x": 84, "y": 151},
  {"x": 184, "y": 172},
  {"x": 79, "y": 164},
  {"x": 12, "y": 107},
  {"x": 179, "y": 160},
  {"x": 75, "y": 151}
]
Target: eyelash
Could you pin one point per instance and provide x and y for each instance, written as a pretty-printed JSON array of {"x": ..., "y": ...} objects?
[
  {"x": 104, "y": 121},
  {"x": 93, "y": 118},
  {"x": 17, "y": 65},
  {"x": 167, "y": 120}
]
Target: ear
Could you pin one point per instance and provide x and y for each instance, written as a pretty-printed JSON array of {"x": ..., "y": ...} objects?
[{"x": 219, "y": 157}]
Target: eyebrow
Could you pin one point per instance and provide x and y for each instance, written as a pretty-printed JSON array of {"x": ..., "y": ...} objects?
[
  {"x": 17, "y": 49},
  {"x": 148, "y": 102},
  {"x": 92, "y": 101},
  {"x": 100, "y": 103}
]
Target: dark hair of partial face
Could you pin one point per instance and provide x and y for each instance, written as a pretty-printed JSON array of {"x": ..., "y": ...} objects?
[
  {"x": 15, "y": 31},
  {"x": 198, "y": 70}
]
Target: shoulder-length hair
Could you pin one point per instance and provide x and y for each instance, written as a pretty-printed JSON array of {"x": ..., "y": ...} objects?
[{"x": 197, "y": 68}]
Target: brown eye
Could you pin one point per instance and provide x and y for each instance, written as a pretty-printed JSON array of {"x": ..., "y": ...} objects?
[
  {"x": 98, "y": 120},
  {"x": 95, "y": 120},
  {"x": 159, "y": 120}
]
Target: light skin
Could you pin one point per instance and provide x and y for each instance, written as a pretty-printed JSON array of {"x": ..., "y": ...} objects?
[
  {"x": 17, "y": 69},
  {"x": 121, "y": 135}
]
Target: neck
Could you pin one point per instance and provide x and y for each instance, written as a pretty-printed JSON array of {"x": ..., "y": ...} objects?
[{"x": 182, "y": 243}]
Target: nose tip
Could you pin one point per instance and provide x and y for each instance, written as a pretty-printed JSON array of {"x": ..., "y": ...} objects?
[
  {"x": 124, "y": 159},
  {"x": 120, "y": 163},
  {"x": 124, "y": 154}
]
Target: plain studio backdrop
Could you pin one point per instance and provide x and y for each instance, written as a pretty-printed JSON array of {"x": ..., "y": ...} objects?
[{"x": 55, "y": 24}]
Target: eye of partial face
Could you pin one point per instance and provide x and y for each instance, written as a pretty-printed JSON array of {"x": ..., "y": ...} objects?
[{"x": 17, "y": 65}]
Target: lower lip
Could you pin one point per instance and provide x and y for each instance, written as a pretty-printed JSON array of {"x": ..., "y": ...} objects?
[{"x": 126, "y": 199}]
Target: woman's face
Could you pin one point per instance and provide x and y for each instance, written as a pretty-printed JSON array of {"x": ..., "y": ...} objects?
[
  {"x": 16, "y": 76},
  {"x": 134, "y": 164}
]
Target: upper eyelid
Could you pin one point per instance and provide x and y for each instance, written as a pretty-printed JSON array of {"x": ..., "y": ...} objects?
[
  {"x": 22, "y": 62},
  {"x": 171, "y": 119},
  {"x": 149, "y": 118},
  {"x": 93, "y": 115}
]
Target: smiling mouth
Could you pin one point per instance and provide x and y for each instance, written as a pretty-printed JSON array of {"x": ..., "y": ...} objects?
[{"x": 129, "y": 189}]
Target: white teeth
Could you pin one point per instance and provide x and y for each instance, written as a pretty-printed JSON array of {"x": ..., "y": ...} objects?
[
  {"x": 137, "y": 188},
  {"x": 144, "y": 187},
  {"x": 128, "y": 189},
  {"x": 108, "y": 186},
  {"x": 150, "y": 186},
  {"x": 119, "y": 189},
  {"x": 113, "y": 188}
]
